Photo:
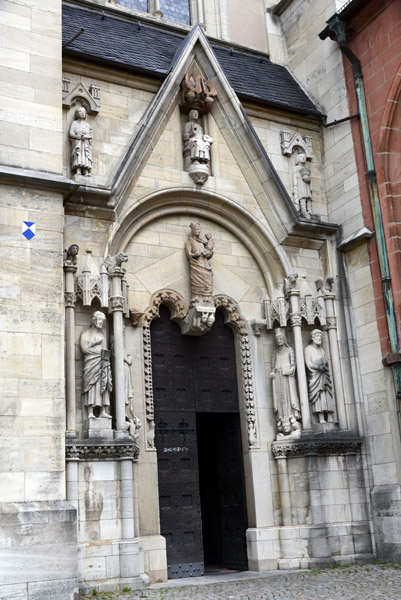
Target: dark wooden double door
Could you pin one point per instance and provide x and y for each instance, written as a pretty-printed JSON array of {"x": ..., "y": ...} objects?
[{"x": 198, "y": 441}]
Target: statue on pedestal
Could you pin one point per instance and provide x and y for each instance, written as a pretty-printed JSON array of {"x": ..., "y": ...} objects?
[
  {"x": 285, "y": 398},
  {"x": 196, "y": 149},
  {"x": 97, "y": 382},
  {"x": 199, "y": 252},
  {"x": 81, "y": 140},
  {"x": 302, "y": 187},
  {"x": 319, "y": 379}
]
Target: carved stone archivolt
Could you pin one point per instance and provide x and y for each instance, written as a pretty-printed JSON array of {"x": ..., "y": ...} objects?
[
  {"x": 173, "y": 300},
  {"x": 179, "y": 311}
]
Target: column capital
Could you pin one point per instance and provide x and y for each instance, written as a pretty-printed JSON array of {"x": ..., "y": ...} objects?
[
  {"x": 117, "y": 303},
  {"x": 296, "y": 319},
  {"x": 70, "y": 299},
  {"x": 331, "y": 322}
]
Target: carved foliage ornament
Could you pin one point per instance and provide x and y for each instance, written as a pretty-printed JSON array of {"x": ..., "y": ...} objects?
[
  {"x": 313, "y": 447},
  {"x": 113, "y": 450},
  {"x": 173, "y": 300}
]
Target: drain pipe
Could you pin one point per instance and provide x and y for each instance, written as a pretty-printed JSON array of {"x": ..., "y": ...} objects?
[{"x": 337, "y": 26}]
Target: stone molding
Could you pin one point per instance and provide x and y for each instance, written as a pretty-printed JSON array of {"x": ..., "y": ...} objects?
[
  {"x": 313, "y": 446},
  {"x": 101, "y": 450}
]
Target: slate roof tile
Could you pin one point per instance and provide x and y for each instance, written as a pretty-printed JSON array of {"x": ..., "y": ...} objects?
[{"x": 122, "y": 42}]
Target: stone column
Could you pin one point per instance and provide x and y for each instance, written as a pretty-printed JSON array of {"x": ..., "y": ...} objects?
[
  {"x": 296, "y": 319},
  {"x": 127, "y": 499},
  {"x": 70, "y": 269},
  {"x": 284, "y": 486},
  {"x": 331, "y": 326},
  {"x": 72, "y": 488},
  {"x": 117, "y": 306}
]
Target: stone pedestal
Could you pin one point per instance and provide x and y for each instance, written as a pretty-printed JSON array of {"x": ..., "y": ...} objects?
[{"x": 96, "y": 428}]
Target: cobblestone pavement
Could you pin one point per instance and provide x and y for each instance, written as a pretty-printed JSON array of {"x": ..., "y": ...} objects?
[{"x": 368, "y": 582}]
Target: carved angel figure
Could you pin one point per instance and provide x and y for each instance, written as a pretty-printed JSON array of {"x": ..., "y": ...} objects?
[
  {"x": 81, "y": 140},
  {"x": 285, "y": 397},
  {"x": 319, "y": 379},
  {"x": 97, "y": 382},
  {"x": 302, "y": 187},
  {"x": 199, "y": 252}
]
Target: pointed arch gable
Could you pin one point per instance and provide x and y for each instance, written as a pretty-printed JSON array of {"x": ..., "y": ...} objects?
[
  {"x": 256, "y": 235},
  {"x": 237, "y": 130}
]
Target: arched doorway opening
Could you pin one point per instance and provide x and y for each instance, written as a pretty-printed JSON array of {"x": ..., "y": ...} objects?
[{"x": 198, "y": 441}]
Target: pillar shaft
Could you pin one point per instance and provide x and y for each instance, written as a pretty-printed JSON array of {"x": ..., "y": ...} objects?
[
  {"x": 71, "y": 423},
  {"x": 299, "y": 357},
  {"x": 117, "y": 303},
  {"x": 335, "y": 361},
  {"x": 127, "y": 499}
]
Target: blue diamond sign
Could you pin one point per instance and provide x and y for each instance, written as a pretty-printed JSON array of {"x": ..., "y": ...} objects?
[{"x": 28, "y": 229}]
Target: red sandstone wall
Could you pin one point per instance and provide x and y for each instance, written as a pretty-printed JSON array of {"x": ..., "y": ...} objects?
[{"x": 374, "y": 35}]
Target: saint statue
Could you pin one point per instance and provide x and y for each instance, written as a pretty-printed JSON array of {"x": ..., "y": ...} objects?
[
  {"x": 81, "y": 141},
  {"x": 199, "y": 251},
  {"x": 97, "y": 384},
  {"x": 319, "y": 379},
  {"x": 285, "y": 398},
  {"x": 302, "y": 187},
  {"x": 196, "y": 149},
  {"x": 132, "y": 422}
]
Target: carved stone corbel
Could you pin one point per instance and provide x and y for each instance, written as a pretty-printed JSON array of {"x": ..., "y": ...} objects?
[{"x": 199, "y": 319}]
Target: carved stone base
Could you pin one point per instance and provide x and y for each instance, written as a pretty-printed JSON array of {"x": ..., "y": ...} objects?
[
  {"x": 199, "y": 319},
  {"x": 325, "y": 427},
  {"x": 99, "y": 427},
  {"x": 198, "y": 173}
]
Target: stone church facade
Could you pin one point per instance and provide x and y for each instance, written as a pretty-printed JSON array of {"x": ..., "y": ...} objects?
[{"x": 191, "y": 368}]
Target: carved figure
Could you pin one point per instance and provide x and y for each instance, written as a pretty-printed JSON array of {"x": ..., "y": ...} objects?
[
  {"x": 285, "y": 398},
  {"x": 81, "y": 141},
  {"x": 133, "y": 423},
  {"x": 198, "y": 94},
  {"x": 70, "y": 255},
  {"x": 115, "y": 262},
  {"x": 302, "y": 187},
  {"x": 97, "y": 382},
  {"x": 196, "y": 148},
  {"x": 195, "y": 140},
  {"x": 319, "y": 379},
  {"x": 199, "y": 252}
]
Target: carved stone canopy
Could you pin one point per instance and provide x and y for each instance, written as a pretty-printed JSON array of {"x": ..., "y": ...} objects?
[
  {"x": 197, "y": 94},
  {"x": 86, "y": 99},
  {"x": 290, "y": 141}
]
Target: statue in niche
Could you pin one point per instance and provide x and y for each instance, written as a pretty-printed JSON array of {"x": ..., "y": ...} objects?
[
  {"x": 302, "y": 187},
  {"x": 199, "y": 251},
  {"x": 133, "y": 423},
  {"x": 97, "y": 382},
  {"x": 319, "y": 379},
  {"x": 196, "y": 149},
  {"x": 285, "y": 398},
  {"x": 81, "y": 141}
]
